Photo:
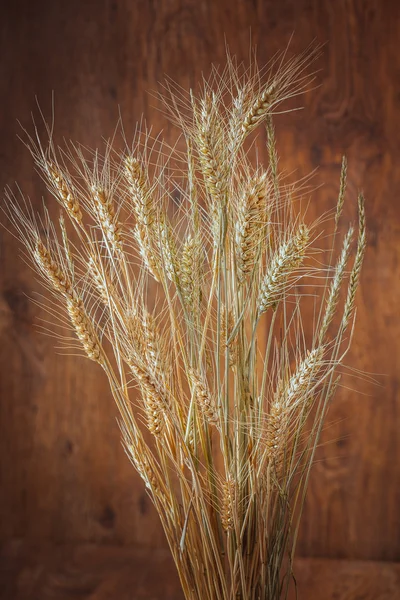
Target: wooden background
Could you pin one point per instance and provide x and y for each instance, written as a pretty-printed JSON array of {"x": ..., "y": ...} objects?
[{"x": 65, "y": 481}]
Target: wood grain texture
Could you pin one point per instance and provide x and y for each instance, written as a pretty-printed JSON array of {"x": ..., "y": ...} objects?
[
  {"x": 64, "y": 475},
  {"x": 88, "y": 572}
]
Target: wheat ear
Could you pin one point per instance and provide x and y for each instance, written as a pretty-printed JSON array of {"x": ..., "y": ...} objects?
[
  {"x": 154, "y": 399},
  {"x": 108, "y": 221},
  {"x": 64, "y": 191},
  {"x": 249, "y": 225},
  {"x": 333, "y": 298},
  {"x": 145, "y": 212},
  {"x": 356, "y": 270},
  {"x": 299, "y": 382},
  {"x": 203, "y": 396},
  {"x": 228, "y": 499},
  {"x": 287, "y": 258},
  {"x": 81, "y": 322}
]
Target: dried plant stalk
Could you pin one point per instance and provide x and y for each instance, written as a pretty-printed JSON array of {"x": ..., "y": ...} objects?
[{"x": 202, "y": 313}]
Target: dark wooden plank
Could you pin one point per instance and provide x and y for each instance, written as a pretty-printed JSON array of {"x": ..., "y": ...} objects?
[
  {"x": 90, "y": 572},
  {"x": 64, "y": 476}
]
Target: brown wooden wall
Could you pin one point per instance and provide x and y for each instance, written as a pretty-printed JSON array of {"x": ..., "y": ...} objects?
[{"x": 64, "y": 475}]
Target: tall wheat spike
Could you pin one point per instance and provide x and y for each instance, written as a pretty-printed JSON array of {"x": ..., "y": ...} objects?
[{"x": 196, "y": 315}]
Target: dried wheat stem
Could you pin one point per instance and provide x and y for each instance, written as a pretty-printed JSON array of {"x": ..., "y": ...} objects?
[
  {"x": 249, "y": 225},
  {"x": 64, "y": 192},
  {"x": 287, "y": 258}
]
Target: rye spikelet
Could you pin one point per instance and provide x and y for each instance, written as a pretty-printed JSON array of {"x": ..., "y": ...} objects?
[{"x": 288, "y": 258}]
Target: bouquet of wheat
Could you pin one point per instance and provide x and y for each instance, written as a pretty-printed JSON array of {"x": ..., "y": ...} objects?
[{"x": 185, "y": 272}]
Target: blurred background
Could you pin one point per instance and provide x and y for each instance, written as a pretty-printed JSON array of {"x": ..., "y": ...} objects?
[{"x": 75, "y": 519}]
